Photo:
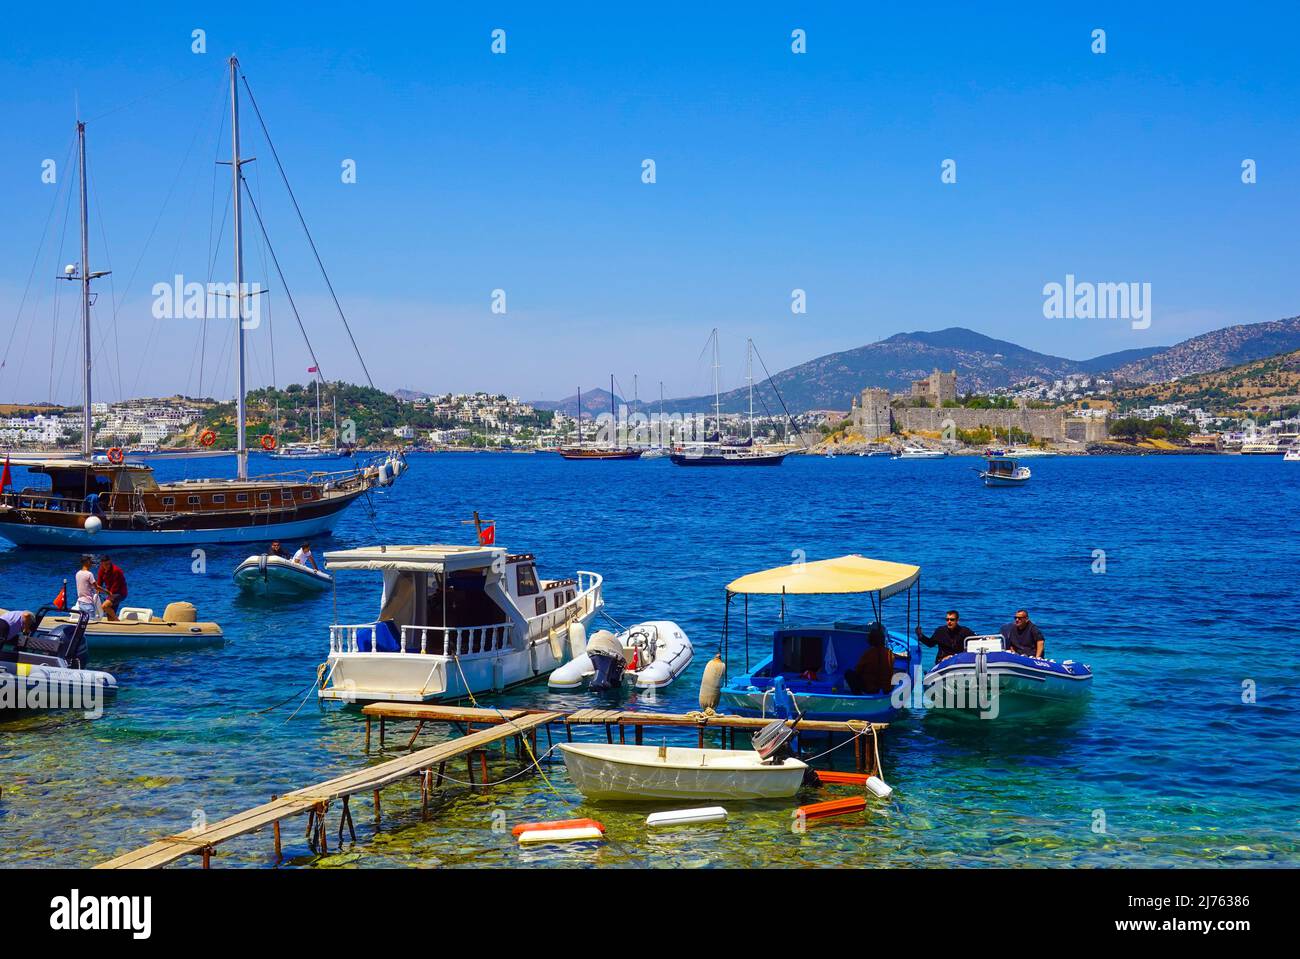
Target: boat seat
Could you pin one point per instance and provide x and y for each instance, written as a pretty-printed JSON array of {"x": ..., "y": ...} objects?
[
  {"x": 139, "y": 613},
  {"x": 384, "y": 635}
]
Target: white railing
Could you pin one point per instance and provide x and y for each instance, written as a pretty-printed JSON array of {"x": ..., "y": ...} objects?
[
  {"x": 438, "y": 640},
  {"x": 586, "y": 600}
]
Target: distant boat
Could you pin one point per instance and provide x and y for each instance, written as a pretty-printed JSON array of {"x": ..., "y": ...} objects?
[
  {"x": 269, "y": 575},
  {"x": 913, "y": 452},
  {"x": 581, "y": 452},
  {"x": 1292, "y": 455},
  {"x": 310, "y": 451},
  {"x": 1003, "y": 471}
]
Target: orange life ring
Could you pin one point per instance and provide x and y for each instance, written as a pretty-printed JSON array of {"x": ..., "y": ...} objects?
[
  {"x": 115, "y": 455},
  {"x": 268, "y": 442},
  {"x": 207, "y": 438}
]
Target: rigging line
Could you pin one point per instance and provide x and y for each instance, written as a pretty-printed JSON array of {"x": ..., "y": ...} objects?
[
  {"x": 54, "y": 326},
  {"x": 284, "y": 176},
  {"x": 289, "y": 296},
  {"x": 775, "y": 390},
  {"x": 31, "y": 274},
  {"x": 112, "y": 288},
  {"x": 150, "y": 95},
  {"x": 212, "y": 250}
]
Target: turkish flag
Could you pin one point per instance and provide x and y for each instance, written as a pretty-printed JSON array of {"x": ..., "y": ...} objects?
[
  {"x": 313, "y": 369},
  {"x": 5, "y": 478},
  {"x": 61, "y": 601},
  {"x": 487, "y": 535}
]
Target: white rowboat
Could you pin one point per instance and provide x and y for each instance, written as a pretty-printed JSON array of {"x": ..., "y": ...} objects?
[{"x": 619, "y": 772}]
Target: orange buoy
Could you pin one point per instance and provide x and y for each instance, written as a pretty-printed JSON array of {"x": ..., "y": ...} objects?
[
  {"x": 207, "y": 438},
  {"x": 836, "y": 807},
  {"x": 268, "y": 442},
  {"x": 826, "y": 777},
  {"x": 557, "y": 824},
  {"x": 116, "y": 455}
]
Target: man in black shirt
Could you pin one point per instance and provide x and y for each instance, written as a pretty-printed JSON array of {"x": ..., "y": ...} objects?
[
  {"x": 1023, "y": 637},
  {"x": 950, "y": 637}
]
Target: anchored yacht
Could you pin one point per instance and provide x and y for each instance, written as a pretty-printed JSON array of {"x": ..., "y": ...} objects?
[{"x": 455, "y": 621}]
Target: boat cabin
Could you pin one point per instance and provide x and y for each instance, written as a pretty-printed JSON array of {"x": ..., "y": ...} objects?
[
  {"x": 1001, "y": 466},
  {"x": 814, "y": 659},
  {"x": 74, "y": 482}
]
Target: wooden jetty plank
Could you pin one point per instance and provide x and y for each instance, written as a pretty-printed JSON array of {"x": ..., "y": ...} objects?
[
  {"x": 172, "y": 848},
  {"x": 435, "y": 713}
]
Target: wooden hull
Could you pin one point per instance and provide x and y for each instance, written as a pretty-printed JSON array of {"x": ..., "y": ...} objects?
[
  {"x": 600, "y": 454},
  {"x": 723, "y": 459}
]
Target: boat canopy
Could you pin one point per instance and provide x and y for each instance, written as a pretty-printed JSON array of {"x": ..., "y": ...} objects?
[
  {"x": 844, "y": 574},
  {"x": 416, "y": 559}
]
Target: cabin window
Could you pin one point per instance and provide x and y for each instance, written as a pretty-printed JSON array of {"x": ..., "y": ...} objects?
[
  {"x": 525, "y": 579},
  {"x": 169, "y": 500},
  {"x": 540, "y": 605},
  {"x": 194, "y": 501},
  {"x": 241, "y": 497},
  {"x": 286, "y": 495},
  {"x": 265, "y": 497},
  {"x": 568, "y": 595},
  {"x": 559, "y": 600},
  {"x": 218, "y": 498},
  {"x": 306, "y": 494}
]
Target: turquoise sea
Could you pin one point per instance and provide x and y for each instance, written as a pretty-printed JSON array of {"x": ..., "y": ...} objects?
[{"x": 1167, "y": 766}]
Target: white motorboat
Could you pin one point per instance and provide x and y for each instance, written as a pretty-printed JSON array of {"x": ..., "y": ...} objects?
[
  {"x": 46, "y": 670},
  {"x": 455, "y": 621},
  {"x": 1292, "y": 455},
  {"x": 1027, "y": 452},
  {"x": 913, "y": 452},
  {"x": 614, "y": 771},
  {"x": 648, "y": 656},
  {"x": 270, "y": 575},
  {"x": 310, "y": 451},
  {"x": 1002, "y": 471}
]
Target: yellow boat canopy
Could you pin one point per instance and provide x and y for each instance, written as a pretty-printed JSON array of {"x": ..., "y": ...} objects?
[{"x": 844, "y": 574}]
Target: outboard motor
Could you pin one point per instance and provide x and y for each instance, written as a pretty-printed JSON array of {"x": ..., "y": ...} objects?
[
  {"x": 772, "y": 742},
  {"x": 606, "y": 656}
]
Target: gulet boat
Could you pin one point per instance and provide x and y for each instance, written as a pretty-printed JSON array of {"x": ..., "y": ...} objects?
[{"x": 455, "y": 621}]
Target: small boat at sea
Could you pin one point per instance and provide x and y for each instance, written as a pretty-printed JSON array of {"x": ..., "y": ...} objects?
[
  {"x": 619, "y": 772},
  {"x": 137, "y": 628},
  {"x": 47, "y": 669},
  {"x": 1004, "y": 471},
  {"x": 804, "y": 672},
  {"x": 269, "y": 575},
  {"x": 914, "y": 452},
  {"x": 455, "y": 621},
  {"x": 300, "y": 452},
  {"x": 647, "y": 656},
  {"x": 1292, "y": 455},
  {"x": 610, "y": 452},
  {"x": 989, "y": 681}
]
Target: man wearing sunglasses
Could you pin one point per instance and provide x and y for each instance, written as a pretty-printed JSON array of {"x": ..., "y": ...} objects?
[
  {"x": 1023, "y": 637},
  {"x": 950, "y": 638}
]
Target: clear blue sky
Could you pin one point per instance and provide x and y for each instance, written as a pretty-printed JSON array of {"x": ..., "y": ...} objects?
[{"x": 522, "y": 172}]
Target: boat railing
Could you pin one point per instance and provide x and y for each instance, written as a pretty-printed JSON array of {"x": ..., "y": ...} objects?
[
  {"x": 43, "y": 499},
  {"x": 438, "y": 640}
]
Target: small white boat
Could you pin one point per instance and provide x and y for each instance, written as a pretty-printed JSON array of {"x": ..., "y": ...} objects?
[
  {"x": 1292, "y": 455},
  {"x": 269, "y": 575},
  {"x": 914, "y": 452},
  {"x": 615, "y": 771},
  {"x": 648, "y": 656},
  {"x": 310, "y": 451},
  {"x": 1002, "y": 471},
  {"x": 46, "y": 670}
]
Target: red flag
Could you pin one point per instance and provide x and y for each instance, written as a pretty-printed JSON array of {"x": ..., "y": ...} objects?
[
  {"x": 61, "y": 601},
  {"x": 5, "y": 478},
  {"x": 313, "y": 369},
  {"x": 487, "y": 535}
]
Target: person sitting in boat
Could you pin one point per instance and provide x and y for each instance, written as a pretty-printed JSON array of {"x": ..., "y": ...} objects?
[
  {"x": 112, "y": 583},
  {"x": 15, "y": 623},
  {"x": 277, "y": 550},
  {"x": 86, "y": 586},
  {"x": 304, "y": 557},
  {"x": 950, "y": 638},
  {"x": 874, "y": 672},
  {"x": 1023, "y": 637}
]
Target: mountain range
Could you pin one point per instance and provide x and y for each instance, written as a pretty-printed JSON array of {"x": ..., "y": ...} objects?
[{"x": 982, "y": 364}]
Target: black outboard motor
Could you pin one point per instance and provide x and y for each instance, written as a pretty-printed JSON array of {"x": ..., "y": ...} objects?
[
  {"x": 772, "y": 742},
  {"x": 606, "y": 655}
]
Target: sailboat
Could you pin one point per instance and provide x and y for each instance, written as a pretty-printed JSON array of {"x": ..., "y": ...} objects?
[
  {"x": 729, "y": 454},
  {"x": 313, "y": 450},
  {"x": 108, "y": 501},
  {"x": 611, "y": 452}
]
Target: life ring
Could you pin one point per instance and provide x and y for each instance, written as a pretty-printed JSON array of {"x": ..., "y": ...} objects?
[
  {"x": 207, "y": 438},
  {"x": 268, "y": 442},
  {"x": 115, "y": 455}
]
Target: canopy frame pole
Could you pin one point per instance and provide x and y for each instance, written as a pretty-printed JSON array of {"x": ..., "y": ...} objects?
[
  {"x": 726, "y": 617},
  {"x": 746, "y": 632}
]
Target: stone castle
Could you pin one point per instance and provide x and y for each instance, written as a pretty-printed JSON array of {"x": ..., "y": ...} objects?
[{"x": 874, "y": 416}]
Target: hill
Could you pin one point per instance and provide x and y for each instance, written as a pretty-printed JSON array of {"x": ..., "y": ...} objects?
[
  {"x": 1217, "y": 350},
  {"x": 1269, "y": 385}
]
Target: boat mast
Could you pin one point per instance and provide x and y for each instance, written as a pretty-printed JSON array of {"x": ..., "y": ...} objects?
[
  {"x": 717, "y": 399},
  {"x": 241, "y": 447},
  {"x": 319, "y": 424},
  {"x": 580, "y": 417},
  {"x": 661, "y": 414},
  {"x": 749, "y": 375},
  {"x": 613, "y": 412}
]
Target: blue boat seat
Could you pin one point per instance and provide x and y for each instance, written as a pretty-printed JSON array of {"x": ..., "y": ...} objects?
[{"x": 384, "y": 635}]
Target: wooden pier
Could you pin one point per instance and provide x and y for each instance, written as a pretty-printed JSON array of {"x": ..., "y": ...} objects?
[{"x": 429, "y": 764}]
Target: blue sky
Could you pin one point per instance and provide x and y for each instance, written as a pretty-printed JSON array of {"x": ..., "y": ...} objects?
[{"x": 522, "y": 172}]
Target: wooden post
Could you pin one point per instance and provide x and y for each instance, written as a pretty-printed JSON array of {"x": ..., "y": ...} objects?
[
  {"x": 701, "y": 735},
  {"x": 640, "y": 733},
  {"x": 442, "y": 767},
  {"x": 482, "y": 762},
  {"x": 276, "y": 828},
  {"x": 381, "y": 734},
  {"x": 376, "y": 808},
  {"x": 609, "y": 734},
  {"x": 419, "y": 728},
  {"x": 207, "y": 857},
  {"x": 622, "y": 734},
  {"x": 368, "y": 721}
]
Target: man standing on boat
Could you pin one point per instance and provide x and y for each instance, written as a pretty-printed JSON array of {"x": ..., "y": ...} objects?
[
  {"x": 111, "y": 582},
  {"x": 950, "y": 638},
  {"x": 1023, "y": 637},
  {"x": 86, "y": 586}
]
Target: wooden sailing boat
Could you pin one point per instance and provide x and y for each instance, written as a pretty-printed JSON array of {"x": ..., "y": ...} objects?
[
  {"x": 107, "y": 501},
  {"x": 611, "y": 452}
]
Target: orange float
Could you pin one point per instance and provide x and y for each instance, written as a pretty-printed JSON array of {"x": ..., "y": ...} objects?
[
  {"x": 268, "y": 442},
  {"x": 556, "y": 824},
  {"x": 207, "y": 438}
]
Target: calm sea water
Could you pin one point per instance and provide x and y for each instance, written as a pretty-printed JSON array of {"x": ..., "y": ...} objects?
[{"x": 1167, "y": 766}]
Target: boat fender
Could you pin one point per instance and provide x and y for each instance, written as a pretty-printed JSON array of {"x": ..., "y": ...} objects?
[
  {"x": 93, "y": 525},
  {"x": 711, "y": 684},
  {"x": 577, "y": 640},
  {"x": 557, "y": 644},
  {"x": 879, "y": 788},
  {"x": 560, "y": 835},
  {"x": 498, "y": 675},
  {"x": 524, "y": 827},
  {"x": 385, "y": 476},
  {"x": 835, "y": 807},
  {"x": 685, "y": 817}
]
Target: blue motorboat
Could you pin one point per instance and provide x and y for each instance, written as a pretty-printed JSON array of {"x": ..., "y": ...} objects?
[
  {"x": 988, "y": 681},
  {"x": 805, "y": 670}
]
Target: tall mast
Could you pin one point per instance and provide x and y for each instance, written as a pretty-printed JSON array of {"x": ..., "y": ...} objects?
[
  {"x": 319, "y": 425},
  {"x": 613, "y": 413},
  {"x": 580, "y": 416},
  {"x": 717, "y": 398},
  {"x": 661, "y": 413},
  {"x": 749, "y": 375},
  {"x": 84, "y": 275},
  {"x": 241, "y": 447}
]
